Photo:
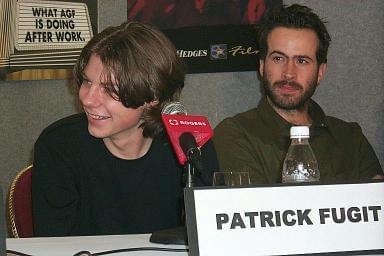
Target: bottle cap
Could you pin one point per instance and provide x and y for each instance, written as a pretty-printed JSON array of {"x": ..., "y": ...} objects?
[{"x": 299, "y": 132}]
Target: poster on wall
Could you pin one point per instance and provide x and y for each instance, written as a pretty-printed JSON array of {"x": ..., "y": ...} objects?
[
  {"x": 43, "y": 39},
  {"x": 210, "y": 35}
]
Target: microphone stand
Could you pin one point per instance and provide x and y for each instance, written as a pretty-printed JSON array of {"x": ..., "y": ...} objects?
[
  {"x": 193, "y": 163},
  {"x": 178, "y": 235},
  {"x": 190, "y": 170}
]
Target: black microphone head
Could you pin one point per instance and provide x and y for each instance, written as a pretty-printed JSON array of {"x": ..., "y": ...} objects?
[
  {"x": 191, "y": 150},
  {"x": 187, "y": 142},
  {"x": 174, "y": 108}
]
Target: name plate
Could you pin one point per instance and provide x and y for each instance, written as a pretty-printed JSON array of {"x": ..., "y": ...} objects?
[{"x": 286, "y": 219}]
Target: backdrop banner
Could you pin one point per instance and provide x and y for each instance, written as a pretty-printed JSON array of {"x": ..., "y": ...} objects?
[
  {"x": 221, "y": 48},
  {"x": 210, "y": 35}
]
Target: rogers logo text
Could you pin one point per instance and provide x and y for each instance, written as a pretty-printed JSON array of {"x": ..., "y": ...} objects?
[
  {"x": 175, "y": 122},
  {"x": 193, "y": 123}
]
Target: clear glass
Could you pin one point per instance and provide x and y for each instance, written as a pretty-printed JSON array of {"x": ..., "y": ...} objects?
[
  {"x": 230, "y": 178},
  {"x": 300, "y": 164}
]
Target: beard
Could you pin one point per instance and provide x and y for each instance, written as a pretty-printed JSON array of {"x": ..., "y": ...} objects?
[{"x": 288, "y": 102}]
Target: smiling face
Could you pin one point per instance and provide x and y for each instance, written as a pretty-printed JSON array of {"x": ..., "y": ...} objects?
[
  {"x": 290, "y": 72},
  {"x": 107, "y": 117}
]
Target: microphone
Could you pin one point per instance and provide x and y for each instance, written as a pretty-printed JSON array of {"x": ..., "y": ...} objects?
[
  {"x": 191, "y": 150},
  {"x": 187, "y": 133}
]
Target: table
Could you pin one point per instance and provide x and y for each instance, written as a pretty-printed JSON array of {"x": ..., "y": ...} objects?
[{"x": 68, "y": 246}]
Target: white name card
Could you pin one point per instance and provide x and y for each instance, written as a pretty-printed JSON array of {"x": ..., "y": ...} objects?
[{"x": 286, "y": 219}]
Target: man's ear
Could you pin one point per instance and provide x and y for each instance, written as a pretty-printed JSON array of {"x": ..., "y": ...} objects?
[
  {"x": 151, "y": 104},
  {"x": 321, "y": 73},
  {"x": 261, "y": 68}
]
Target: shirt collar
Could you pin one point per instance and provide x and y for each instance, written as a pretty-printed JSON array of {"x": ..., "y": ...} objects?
[
  {"x": 317, "y": 115},
  {"x": 279, "y": 127}
]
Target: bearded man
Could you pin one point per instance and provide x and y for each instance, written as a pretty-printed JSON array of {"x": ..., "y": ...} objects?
[{"x": 293, "y": 44}]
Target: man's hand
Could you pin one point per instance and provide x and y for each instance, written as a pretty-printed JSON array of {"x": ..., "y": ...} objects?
[{"x": 378, "y": 177}]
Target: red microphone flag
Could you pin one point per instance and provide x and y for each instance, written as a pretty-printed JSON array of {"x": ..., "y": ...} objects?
[{"x": 176, "y": 125}]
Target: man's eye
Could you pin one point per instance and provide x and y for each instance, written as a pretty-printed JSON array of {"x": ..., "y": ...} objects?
[
  {"x": 86, "y": 82},
  {"x": 277, "y": 58},
  {"x": 302, "y": 61},
  {"x": 110, "y": 90}
]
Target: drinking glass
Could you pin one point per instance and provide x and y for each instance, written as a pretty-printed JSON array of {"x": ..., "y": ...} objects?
[{"x": 230, "y": 178}]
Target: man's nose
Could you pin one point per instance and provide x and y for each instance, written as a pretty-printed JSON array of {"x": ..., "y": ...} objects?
[{"x": 289, "y": 72}]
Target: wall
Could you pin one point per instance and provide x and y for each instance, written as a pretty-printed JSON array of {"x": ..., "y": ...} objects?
[{"x": 352, "y": 90}]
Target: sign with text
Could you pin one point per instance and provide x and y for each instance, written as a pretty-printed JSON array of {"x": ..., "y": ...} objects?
[
  {"x": 286, "y": 219},
  {"x": 43, "y": 25},
  {"x": 220, "y": 48},
  {"x": 42, "y": 39}
]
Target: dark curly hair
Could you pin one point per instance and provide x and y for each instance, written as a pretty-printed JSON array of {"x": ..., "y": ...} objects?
[
  {"x": 294, "y": 16},
  {"x": 144, "y": 66}
]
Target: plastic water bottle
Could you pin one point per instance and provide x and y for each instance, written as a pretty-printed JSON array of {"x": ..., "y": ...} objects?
[{"x": 300, "y": 164}]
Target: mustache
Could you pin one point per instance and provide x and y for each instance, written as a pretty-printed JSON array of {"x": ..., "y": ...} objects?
[{"x": 290, "y": 83}]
